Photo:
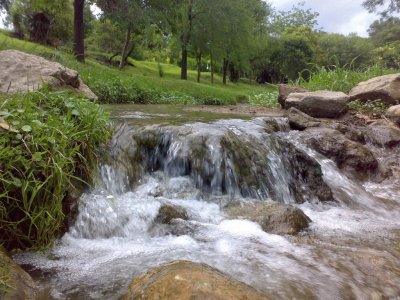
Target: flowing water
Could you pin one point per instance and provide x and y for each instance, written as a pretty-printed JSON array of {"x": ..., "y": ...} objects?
[{"x": 202, "y": 163}]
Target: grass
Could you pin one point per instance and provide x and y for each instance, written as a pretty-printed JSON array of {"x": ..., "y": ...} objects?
[
  {"x": 141, "y": 83},
  {"x": 336, "y": 78},
  {"x": 47, "y": 140}
]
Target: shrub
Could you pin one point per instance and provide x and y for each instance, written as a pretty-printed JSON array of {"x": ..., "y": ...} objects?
[{"x": 47, "y": 140}]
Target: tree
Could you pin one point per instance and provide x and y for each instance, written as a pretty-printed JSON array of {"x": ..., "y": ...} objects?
[
  {"x": 389, "y": 6},
  {"x": 130, "y": 15},
  {"x": 385, "y": 30},
  {"x": 79, "y": 33},
  {"x": 46, "y": 21}
]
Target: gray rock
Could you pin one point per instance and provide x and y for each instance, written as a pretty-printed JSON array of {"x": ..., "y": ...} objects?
[
  {"x": 320, "y": 104},
  {"x": 22, "y": 72},
  {"x": 386, "y": 88},
  {"x": 384, "y": 133},
  {"x": 300, "y": 121},
  {"x": 347, "y": 154},
  {"x": 273, "y": 217},
  {"x": 393, "y": 113},
  {"x": 285, "y": 90}
]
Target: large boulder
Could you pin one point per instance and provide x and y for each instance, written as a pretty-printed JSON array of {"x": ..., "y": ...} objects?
[
  {"x": 393, "y": 113},
  {"x": 347, "y": 154},
  {"x": 386, "y": 88},
  {"x": 15, "y": 283},
  {"x": 22, "y": 72},
  {"x": 285, "y": 90},
  {"x": 384, "y": 133},
  {"x": 273, "y": 217},
  {"x": 184, "y": 280},
  {"x": 320, "y": 104}
]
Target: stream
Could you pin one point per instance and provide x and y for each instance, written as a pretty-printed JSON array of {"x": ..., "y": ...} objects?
[{"x": 203, "y": 162}]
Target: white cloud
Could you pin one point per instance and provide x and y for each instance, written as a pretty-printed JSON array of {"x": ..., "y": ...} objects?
[{"x": 339, "y": 16}]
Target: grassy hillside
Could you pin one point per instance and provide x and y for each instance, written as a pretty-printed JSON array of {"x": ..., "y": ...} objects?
[{"x": 141, "y": 82}]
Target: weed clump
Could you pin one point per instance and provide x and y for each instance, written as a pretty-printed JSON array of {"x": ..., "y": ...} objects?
[{"x": 47, "y": 139}]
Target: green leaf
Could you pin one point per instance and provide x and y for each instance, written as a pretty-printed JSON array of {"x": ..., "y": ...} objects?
[
  {"x": 75, "y": 112},
  {"x": 37, "y": 156},
  {"x": 26, "y": 128},
  {"x": 37, "y": 122}
]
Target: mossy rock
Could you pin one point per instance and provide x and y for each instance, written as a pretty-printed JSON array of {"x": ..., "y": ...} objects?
[
  {"x": 167, "y": 213},
  {"x": 184, "y": 280},
  {"x": 15, "y": 283},
  {"x": 273, "y": 217}
]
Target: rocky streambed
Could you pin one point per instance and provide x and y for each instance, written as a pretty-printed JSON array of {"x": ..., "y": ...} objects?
[{"x": 266, "y": 207}]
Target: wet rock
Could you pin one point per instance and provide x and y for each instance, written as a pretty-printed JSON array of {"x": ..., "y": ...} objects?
[
  {"x": 273, "y": 217},
  {"x": 272, "y": 125},
  {"x": 393, "y": 113},
  {"x": 386, "y": 88},
  {"x": 300, "y": 121},
  {"x": 347, "y": 154},
  {"x": 320, "y": 104},
  {"x": 308, "y": 184},
  {"x": 285, "y": 90},
  {"x": 22, "y": 72},
  {"x": 167, "y": 213},
  {"x": 15, "y": 283},
  {"x": 184, "y": 280},
  {"x": 384, "y": 133}
]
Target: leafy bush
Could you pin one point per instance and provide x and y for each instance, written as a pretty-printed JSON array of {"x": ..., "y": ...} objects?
[
  {"x": 268, "y": 99},
  {"x": 376, "y": 106},
  {"x": 47, "y": 139}
]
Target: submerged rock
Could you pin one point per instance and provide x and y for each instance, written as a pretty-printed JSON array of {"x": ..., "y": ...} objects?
[
  {"x": 273, "y": 217},
  {"x": 15, "y": 283},
  {"x": 184, "y": 280},
  {"x": 385, "y": 88},
  {"x": 167, "y": 213},
  {"x": 22, "y": 72},
  {"x": 285, "y": 90},
  {"x": 347, "y": 154},
  {"x": 320, "y": 104}
]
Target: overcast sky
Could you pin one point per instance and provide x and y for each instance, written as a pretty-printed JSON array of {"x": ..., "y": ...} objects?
[{"x": 338, "y": 16}]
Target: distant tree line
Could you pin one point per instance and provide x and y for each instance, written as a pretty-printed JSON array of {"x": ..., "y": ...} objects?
[{"x": 235, "y": 38}]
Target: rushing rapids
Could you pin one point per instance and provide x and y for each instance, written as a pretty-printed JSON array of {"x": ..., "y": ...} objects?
[{"x": 351, "y": 249}]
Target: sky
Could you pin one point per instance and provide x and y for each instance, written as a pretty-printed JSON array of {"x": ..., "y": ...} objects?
[{"x": 335, "y": 16}]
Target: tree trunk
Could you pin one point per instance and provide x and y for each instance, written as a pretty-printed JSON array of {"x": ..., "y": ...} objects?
[
  {"x": 79, "y": 45},
  {"x": 184, "y": 63},
  {"x": 198, "y": 60},
  {"x": 125, "y": 48},
  {"x": 185, "y": 38},
  {"x": 212, "y": 69},
  {"x": 225, "y": 70}
]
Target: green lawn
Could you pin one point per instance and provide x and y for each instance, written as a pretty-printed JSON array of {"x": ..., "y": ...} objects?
[{"x": 142, "y": 83}]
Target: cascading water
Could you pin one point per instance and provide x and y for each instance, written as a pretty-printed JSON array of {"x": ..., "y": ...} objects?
[{"x": 351, "y": 249}]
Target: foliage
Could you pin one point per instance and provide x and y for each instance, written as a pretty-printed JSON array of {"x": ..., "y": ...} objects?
[
  {"x": 385, "y": 30},
  {"x": 390, "y": 6},
  {"x": 58, "y": 17},
  {"x": 387, "y": 56},
  {"x": 105, "y": 37},
  {"x": 52, "y": 139},
  {"x": 337, "y": 78},
  {"x": 376, "y": 106},
  {"x": 268, "y": 99}
]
